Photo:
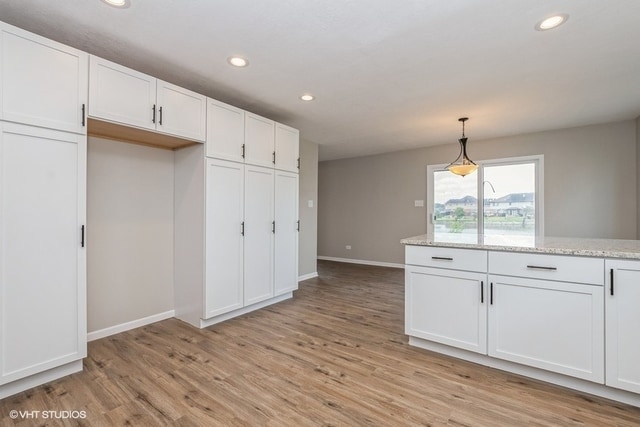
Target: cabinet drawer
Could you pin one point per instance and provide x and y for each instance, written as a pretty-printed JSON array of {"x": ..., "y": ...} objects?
[
  {"x": 548, "y": 267},
  {"x": 451, "y": 258}
]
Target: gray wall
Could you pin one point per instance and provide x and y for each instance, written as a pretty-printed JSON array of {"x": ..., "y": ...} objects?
[
  {"x": 308, "y": 239},
  {"x": 129, "y": 232},
  {"x": 590, "y": 189}
]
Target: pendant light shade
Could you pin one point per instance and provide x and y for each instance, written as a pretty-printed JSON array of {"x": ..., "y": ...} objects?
[{"x": 463, "y": 165}]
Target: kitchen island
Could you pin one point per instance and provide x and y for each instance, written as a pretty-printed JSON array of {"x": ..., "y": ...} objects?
[{"x": 561, "y": 310}]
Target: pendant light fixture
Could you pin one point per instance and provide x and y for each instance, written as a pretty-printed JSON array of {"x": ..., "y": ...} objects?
[{"x": 463, "y": 165}]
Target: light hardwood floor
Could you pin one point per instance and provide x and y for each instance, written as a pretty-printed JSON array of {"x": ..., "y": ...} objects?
[{"x": 334, "y": 355}]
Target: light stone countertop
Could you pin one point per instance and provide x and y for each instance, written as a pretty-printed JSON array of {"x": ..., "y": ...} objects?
[{"x": 601, "y": 248}]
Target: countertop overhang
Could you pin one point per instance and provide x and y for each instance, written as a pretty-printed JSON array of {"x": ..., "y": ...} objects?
[{"x": 600, "y": 248}]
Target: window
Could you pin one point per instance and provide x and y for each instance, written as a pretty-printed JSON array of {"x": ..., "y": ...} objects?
[{"x": 501, "y": 203}]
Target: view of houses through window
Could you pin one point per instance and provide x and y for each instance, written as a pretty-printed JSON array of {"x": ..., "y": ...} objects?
[{"x": 498, "y": 203}]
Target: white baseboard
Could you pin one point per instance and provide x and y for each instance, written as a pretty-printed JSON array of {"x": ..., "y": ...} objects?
[
  {"x": 362, "y": 261},
  {"x": 307, "y": 276},
  {"x": 112, "y": 330},
  {"x": 244, "y": 310}
]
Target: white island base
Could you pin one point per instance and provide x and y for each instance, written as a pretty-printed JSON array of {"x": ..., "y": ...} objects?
[{"x": 564, "y": 311}]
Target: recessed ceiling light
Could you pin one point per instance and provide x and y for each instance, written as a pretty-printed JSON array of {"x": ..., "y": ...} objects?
[
  {"x": 237, "y": 61},
  {"x": 307, "y": 97},
  {"x": 552, "y": 22},
  {"x": 121, "y": 4}
]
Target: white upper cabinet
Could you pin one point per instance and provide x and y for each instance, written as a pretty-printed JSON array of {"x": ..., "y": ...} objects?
[
  {"x": 42, "y": 82},
  {"x": 122, "y": 95},
  {"x": 287, "y": 148},
  {"x": 259, "y": 139},
  {"x": 225, "y": 131},
  {"x": 181, "y": 112},
  {"x": 240, "y": 136}
]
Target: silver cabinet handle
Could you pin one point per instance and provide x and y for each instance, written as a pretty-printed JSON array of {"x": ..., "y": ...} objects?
[{"x": 441, "y": 258}]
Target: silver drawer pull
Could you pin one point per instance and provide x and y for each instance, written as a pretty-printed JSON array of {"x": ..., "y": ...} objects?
[
  {"x": 441, "y": 258},
  {"x": 539, "y": 267}
]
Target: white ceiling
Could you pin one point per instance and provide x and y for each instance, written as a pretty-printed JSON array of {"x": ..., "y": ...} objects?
[{"x": 388, "y": 75}]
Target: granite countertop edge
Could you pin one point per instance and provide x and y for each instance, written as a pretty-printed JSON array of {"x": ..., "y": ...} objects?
[{"x": 596, "y": 248}]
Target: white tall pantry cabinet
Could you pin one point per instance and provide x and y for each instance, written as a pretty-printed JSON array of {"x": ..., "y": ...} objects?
[
  {"x": 43, "y": 99},
  {"x": 288, "y": 226},
  {"x": 236, "y": 217},
  {"x": 259, "y": 233},
  {"x": 224, "y": 236}
]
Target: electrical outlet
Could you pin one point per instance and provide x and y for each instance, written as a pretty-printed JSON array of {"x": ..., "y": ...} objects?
[{"x": 348, "y": 247}]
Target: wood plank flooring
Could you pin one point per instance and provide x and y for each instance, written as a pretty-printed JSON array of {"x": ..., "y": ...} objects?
[{"x": 334, "y": 355}]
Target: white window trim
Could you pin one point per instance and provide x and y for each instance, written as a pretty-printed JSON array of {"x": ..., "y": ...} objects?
[{"x": 539, "y": 188}]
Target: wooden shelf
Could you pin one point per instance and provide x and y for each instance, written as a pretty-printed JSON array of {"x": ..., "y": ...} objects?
[{"x": 137, "y": 136}]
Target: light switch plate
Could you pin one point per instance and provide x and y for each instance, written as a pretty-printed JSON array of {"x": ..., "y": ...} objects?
[
  {"x": 309, "y": 203},
  {"x": 418, "y": 203}
]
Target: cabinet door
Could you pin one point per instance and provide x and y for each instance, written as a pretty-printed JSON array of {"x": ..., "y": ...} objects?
[
  {"x": 259, "y": 136},
  {"x": 287, "y": 148},
  {"x": 286, "y": 236},
  {"x": 181, "y": 112},
  {"x": 122, "y": 95},
  {"x": 446, "y": 306},
  {"x": 42, "y": 209},
  {"x": 223, "y": 237},
  {"x": 622, "y": 299},
  {"x": 258, "y": 234},
  {"x": 549, "y": 325},
  {"x": 42, "y": 83},
  {"x": 225, "y": 131}
]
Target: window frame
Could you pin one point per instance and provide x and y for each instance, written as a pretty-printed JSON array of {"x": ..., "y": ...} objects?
[{"x": 537, "y": 160}]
